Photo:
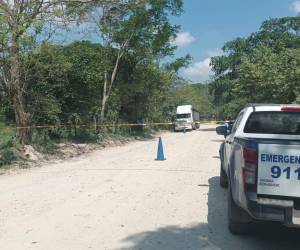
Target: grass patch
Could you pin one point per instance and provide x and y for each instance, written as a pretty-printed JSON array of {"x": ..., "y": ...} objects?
[{"x": 7, "y": 152}]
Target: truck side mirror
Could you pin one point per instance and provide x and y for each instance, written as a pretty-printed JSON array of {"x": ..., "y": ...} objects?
[{"x": 222, "y": 130}]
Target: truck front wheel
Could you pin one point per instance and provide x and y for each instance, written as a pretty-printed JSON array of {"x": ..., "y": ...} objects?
[
  {"x": 238, "y": 220},
  {"x": 223, "y": 177}
]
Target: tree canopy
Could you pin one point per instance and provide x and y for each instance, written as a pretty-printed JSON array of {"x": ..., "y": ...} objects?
[
  {"x": 118, "y": 78},
  {"x": 264, "y": 67}
]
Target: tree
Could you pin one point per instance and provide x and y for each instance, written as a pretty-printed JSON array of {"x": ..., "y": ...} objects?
[
  {"x": 266, "y": 76},
  {"x": 17, "y": 17},
  {"x": 45, "y": 73},
  {"x": 137, "y": 27},
  {"x": 20, "y": 22},
  {"x": 255, "y": 68},
  {"x": 84, "y": 80}
]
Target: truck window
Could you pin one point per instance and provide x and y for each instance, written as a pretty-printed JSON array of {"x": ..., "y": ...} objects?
[
  {"x": 183, "y": 116},
  {"x": 273, "y": 122},
  {"x": 237, "y": 123}
]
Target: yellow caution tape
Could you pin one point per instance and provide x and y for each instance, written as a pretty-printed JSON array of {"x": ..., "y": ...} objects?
[{"x": 109, "y": 125}]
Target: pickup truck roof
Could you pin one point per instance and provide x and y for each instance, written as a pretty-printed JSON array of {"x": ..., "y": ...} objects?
[
  {"x": 268, "y": 104},
  {"x": 272, "y": 107},
  {"x": 244, "y": 115}
]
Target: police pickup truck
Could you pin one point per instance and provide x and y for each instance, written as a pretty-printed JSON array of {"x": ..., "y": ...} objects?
[{"x": 260, "y": 165}]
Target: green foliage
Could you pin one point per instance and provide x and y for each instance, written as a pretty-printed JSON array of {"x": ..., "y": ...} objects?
[
  {"x": 146, "y": 92},
  {"x": 269, "y": 76},
  {"x": 64, "y": 87},
  {"x": 263, "y": 68},
  {"x": 179, "y": 63},
  {"x": 7, "y": 155},
  {"x": 44, "y": 72},
  {"x": 85, "y": 81}
]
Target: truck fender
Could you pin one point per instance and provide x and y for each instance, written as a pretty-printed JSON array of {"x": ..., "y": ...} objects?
[
  {"x": 232, "y": 180},
  {"x": 221, "y": 155},
  {"x": 236, "y": 186}
]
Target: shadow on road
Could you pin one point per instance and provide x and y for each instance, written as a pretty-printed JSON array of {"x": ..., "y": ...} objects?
[{"x": 214, "y": 234}]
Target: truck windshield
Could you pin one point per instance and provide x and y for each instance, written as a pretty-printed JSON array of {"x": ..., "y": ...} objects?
[
  {"x": 183, "y": 116},
  {"x": 286, "y": 123}
]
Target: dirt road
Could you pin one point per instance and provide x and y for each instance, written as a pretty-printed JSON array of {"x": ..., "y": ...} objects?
[{"x": 120, "y": 198}]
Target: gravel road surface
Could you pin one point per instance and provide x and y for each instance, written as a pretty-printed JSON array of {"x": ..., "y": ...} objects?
[{"x": 120, "y": 198}]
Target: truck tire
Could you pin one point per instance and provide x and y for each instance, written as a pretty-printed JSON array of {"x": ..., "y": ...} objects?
[
  {"x": 238, "y": 219},
  {"x": 223, "y": 177}
]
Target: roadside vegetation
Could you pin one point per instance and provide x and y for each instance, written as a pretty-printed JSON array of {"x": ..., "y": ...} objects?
[
  {"x": 52, "y": 92},
  {"x": 7, "y": 154},
  {"x": 261, "y": 68}
]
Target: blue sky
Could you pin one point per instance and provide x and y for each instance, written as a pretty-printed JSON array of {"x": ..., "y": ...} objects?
[{"x": 208, "y": 24}]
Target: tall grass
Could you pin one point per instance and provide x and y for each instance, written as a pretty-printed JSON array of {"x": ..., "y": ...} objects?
[{"x": 7, "y": 155}]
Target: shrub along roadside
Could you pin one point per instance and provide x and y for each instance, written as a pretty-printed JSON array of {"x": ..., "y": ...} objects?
[
  {"x": 7, "y": 151},
  {"x": 48, "y": 141}
]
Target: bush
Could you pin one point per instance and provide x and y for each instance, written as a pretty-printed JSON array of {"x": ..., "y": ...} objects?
[{"x": 7, "y": 156}]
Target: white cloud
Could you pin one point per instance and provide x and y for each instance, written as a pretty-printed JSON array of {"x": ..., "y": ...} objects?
[
  {"x": 183, "y": 39},
  {"x": 201, "y": 71},
  {"x": 198, "y": 71},
  {"x": 295, "y": 7},
  {"x": 215, "y": 52}
]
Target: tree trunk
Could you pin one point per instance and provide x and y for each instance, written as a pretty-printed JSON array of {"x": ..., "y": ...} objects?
[
  {"x": 103, "y": 107},
  {"x": 107, "y": 89},
  {"x": 104, "y": 99},
  {"x": 17, "y": 99}
]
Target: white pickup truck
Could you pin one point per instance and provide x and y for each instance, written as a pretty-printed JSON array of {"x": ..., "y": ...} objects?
[{"x": 260, "y": 165}]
